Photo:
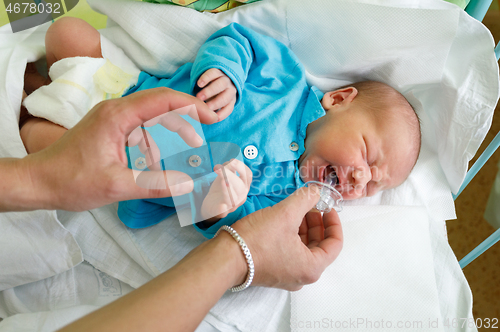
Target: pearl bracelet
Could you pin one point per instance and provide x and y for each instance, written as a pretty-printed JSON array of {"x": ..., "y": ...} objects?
[{"x": 246, "y": 253}]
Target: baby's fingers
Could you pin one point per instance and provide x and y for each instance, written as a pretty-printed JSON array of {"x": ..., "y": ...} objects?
[
  {"x": 225, "y": 111},
  {"x": 209, "y": 76},
  {"x": 228, "y": 186},
  {"x": 221, "y": 100},
  {"x": 245, "y": 174},
  {"x": 215, "y": 87}
]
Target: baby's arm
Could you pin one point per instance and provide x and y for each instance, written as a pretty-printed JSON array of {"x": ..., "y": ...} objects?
[{"x": 226, "y": 58}]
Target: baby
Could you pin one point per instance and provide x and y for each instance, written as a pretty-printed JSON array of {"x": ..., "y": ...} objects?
[{"x": 288, "y": 132}]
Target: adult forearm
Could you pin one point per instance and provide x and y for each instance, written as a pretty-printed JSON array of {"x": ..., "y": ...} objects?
[
  {"x": 16, "y": 189},
  {"x": 19, "y": 190},
  {"x": 178, "y": 299}
]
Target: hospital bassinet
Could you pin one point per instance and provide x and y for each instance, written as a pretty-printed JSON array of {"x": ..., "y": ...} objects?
[{"x": 130, "y": 257}]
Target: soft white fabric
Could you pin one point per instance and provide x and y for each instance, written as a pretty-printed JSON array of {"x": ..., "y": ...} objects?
[
  {"x": 92, "y": 286},
  {"x": 455, "y": 102},
  {"x": 367, "y": 287},
  {"x": 51, "y": 303},
  {"x": 34, "y": 246},
  {"x": 70, "y": 95},
  {"x": 455, "y": 298}
]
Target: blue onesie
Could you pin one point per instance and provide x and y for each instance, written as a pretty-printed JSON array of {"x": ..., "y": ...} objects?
[{"x": 267, "y": 126}]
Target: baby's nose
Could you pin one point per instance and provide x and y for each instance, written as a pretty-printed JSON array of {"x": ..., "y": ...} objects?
[{"x": 361, "y": 176}]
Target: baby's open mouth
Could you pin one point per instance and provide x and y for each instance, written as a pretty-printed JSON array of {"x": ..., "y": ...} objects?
[{"x": 329, "y": 176}]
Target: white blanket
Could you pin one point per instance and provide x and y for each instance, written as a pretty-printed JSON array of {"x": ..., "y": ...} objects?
[
  {"x": 34, "y": 245},
  {"x": 422, "y": 48}
]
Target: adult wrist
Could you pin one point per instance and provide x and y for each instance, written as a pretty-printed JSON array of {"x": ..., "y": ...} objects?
[
  {"x": 16, "y": 191},
  {"x": 246, "y": 253},
  {"x": 238, "y": 265},
  {"x": 39, "y": 194}
]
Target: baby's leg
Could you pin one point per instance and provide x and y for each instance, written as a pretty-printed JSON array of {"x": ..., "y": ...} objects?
[
  {"x": 67, "y": 37},
  {"x": 38, "y": 133}
]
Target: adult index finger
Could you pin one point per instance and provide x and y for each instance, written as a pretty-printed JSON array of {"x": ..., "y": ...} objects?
[
  {"x": 139, "y": 107},
  {"x": 329, "y": 248},
  {"x": 155, "y": 184}
]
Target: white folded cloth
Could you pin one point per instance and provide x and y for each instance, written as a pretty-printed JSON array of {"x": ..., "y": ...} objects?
[
  {"x": 383, "y": 278},
  {"x": 79, "y": 83},
  {"x": 33, "y": 245},
  {"x": 23, "y": 260},
  {"x": 49, "y": 304}
]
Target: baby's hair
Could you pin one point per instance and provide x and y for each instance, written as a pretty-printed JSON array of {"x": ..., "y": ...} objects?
[{"x": 377, "y": 96}]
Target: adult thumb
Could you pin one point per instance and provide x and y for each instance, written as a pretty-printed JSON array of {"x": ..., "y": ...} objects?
[
  {"x": 153, "y": 184},
  {"x": 300, "y": 202}
]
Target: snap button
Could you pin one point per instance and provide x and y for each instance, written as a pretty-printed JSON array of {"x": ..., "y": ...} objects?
[
  {"x": 140, "y": 163},
  {"x": 294, "y": 146},
  {"x": 250, "y": 152},
  {"x": 194, "y": 160}
]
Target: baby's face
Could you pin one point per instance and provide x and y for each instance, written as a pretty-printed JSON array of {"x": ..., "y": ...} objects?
[{"x": 368, "y": 154}]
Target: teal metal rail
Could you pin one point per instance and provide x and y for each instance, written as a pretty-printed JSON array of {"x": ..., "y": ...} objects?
[
  {"x": 497, "y": 51},
  {"x": 478, "y": 8}
]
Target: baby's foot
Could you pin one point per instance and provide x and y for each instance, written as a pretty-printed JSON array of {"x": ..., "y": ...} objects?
[{"x": 33, "y": 79}]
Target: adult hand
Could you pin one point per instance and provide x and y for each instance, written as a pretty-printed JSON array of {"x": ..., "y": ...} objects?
[
  {"x": 198, "y": 281},
  {"x": 87, "y": 167},
  {"x": 171, "y": 121},
  {"x": 291, "y": 245}
]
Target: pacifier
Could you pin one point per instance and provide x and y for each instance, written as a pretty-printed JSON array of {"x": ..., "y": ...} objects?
[{"x": 330, "y": 198}]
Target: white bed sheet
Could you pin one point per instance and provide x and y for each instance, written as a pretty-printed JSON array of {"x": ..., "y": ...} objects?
[{"x": 447, "y": 92}]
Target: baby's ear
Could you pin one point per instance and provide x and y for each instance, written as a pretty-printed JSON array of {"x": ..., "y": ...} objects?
[{"x": 341, "y": 96}]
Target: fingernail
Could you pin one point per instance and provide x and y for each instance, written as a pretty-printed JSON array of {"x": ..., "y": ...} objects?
[
  {"x": 181, "y": 188},
  {"x": 199, "y": 141},
  {"x": 201, "y": 83}
]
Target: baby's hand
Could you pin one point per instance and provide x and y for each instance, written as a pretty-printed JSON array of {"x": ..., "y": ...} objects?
[
  {"x": 228, "y": 191},
  {"x": 218, "y": 91}
]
